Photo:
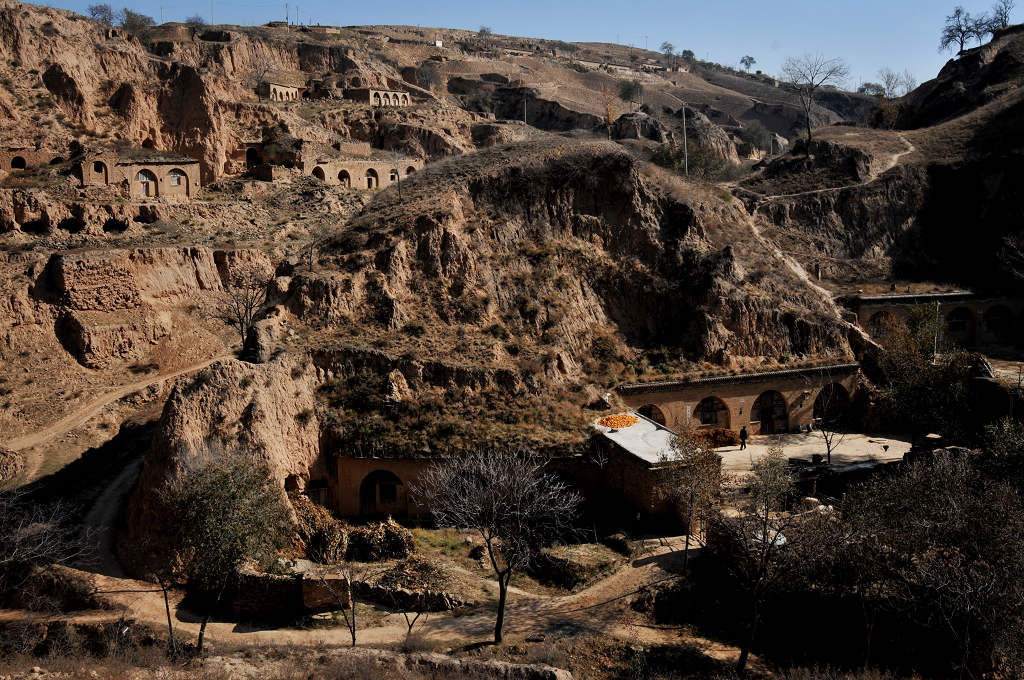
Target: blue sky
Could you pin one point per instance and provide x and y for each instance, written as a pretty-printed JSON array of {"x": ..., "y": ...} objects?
[{"x": 869, "y": 34}]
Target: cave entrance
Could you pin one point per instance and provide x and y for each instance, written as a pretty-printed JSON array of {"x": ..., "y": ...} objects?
[
  {"x": 381, "y": 491},
  {"x": 770, "y": 411}
]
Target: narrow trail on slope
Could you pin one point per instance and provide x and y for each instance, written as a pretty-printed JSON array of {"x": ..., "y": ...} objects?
[
  {"x": 95, "y": 405},
  {"x": 891, "y": 163}
]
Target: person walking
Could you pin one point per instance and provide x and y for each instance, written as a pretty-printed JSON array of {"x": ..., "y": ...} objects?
[{"x": 743, "y": 437}]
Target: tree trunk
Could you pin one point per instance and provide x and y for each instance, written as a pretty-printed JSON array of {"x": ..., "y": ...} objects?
[
  {"x": 202, "y": 631},
  {"x": 741, "y": 663},
  {"x": 502, "y": 596},
  {"x": 170, "y": 627}
]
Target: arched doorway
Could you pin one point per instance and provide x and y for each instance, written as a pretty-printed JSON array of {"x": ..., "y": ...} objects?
[
  {"x": 376, "y": 99},
  {"x": 960, "y": 327},
  {"x": 770, "y": 412},
  {"x": 380, "y": 492},
  {"x": 252, "y": 158},
  {"x": 344, "y": 179},
  {"x": 712, "y": 412},
  {"x": 393, "y": 175},
  {"x": 372, "y": 181},
  {"x": 147, "y": 183},
  {"x": 387, "y": 99},
  {"x": 405, "y": 100},
  {"x": 17, "y": 163},
  {"x": 998, "y": 321},
  {"x": 56, "y": 160},
  {"x": 148, "y": 144},
  {"x": 318, "y": 172},
  {"x": 409, "y": 170},
  {"x": 652, "y": 412},
  {"x": 831, "y": 404},
  {"x": 100, "y": 168},
  {"x": 178, "y": 179},
  {"x": 881, "y": 325}
]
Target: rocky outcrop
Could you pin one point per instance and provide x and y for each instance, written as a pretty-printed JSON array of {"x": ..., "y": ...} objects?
[
  {"x": 98, "y": 339},
  {"x": 263, "y": 411}
]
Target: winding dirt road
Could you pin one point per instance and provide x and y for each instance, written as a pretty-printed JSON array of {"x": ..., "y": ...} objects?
[{"x": 90, "y": 409}]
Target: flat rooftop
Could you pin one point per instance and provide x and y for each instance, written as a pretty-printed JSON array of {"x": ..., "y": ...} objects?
[
  {"x": 645, "y": 439},
  {"x": 668, "y": 385}
]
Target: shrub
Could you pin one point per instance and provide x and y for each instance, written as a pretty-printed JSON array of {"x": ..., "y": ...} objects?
[
  {"x": 384, "y": 541},
  {"x": 718, "y": 437},
  {"x": 324, "y": 536}
]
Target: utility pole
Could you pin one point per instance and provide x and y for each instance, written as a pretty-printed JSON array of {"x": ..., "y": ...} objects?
[
  {"x": 645, "y": 43},
  {"x": 287, "y": 15},
  {"x": 161, "y": 14},
  {"x": 686, "y": 152}
]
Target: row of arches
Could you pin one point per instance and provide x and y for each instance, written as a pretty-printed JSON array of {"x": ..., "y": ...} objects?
[
  {"x": 390, "y": 99},
  {"x": 283, "y": 95},
  {"x": 961, "y": 325},
  {"x": 770, "y": 411},
  {"x": 147, "y": 185},
  {"x": 370, "y": 179},
  {"x": 21, "y": 163}
]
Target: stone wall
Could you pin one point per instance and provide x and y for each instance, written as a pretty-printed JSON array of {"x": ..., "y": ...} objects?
[
  {"x": 967, "y": 321},
  {"x": 19, "y": 159}
]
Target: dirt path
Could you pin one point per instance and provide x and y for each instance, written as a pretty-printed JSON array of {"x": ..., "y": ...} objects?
[
  {"x": 891, "y": 163},
  {"x": 90, "y": 409}
]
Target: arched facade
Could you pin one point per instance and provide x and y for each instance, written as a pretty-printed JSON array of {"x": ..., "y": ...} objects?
[
  {"x": 770, "y": 413},
  {"x": 358, "y": 173},
  {"x": 372, "y": 179},
  {"x": 961, "y": 328},
  {"x": 99, "y": 169},
  {"x": 999, "y": 324},
  {"x": 319, "y": 173},
  {"x": 787, "y": 397},
  {"x": 712, "y": 412},
  {"x": 146, "y": 184},
  {"x": 881, "y": 324},
  {"x": 382, "y": 492},
  {"x": 344, "y": 179},
  {"x": 177, "y": 183},
  {"x": 377, "y": 99},
  {"x": 654, "y": 413}
]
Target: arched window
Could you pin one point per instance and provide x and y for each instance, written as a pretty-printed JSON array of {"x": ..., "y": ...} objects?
[
  {"x": 712, "y": 412},
  {"x": 318, "y": 172},
  {"x": 17, "y": 163},
  {"x": 372, "y": 180},
  {"x": 770, "y": 412},
  {"x": 146, "y": 182},
  {"x": 177, "y": 178},
  {"x": 344, "y": 179},
  {"x": 393, "y": 175}
]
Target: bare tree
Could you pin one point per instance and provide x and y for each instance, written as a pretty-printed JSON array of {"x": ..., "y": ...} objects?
[
  {"x": 693, "y": 476},
  {"x": 669, "y": 49},
  {"x": 103, "y": 13},
  {"x": 35, "y": 535},
  {"x": 609, "y": 108},
  {"x": 505, "y": 496},
  {"x": 762, "y": 544},
  {"x": 808, "y": 74},
  {"x": 244, "y": 296},
  {"x": 195, "y": 22},
  {"x": 748, "y": 61},
  {"x": 960, "y": 27},
  {"x": 342, "y": 590},
  {"x": 1001, "y": 13},
  {"x": 134, "y": 22},
  {"x": 225, "y": 510},
  {"x": 261, "y": 68}
]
